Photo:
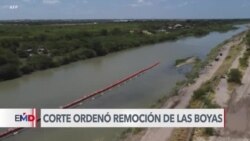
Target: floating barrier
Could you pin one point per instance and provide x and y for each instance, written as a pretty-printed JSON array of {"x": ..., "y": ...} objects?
[
  {"x": 86, "y": 97},
  {"x": 99, "y": 92}
]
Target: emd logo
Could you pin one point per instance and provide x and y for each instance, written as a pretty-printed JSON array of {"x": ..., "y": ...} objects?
[
  {"x": 24, "y": 118},
  {"x": 18, "y": 118}
]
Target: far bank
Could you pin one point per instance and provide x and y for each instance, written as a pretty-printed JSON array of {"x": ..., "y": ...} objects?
[{"x": 25, "y": 48}]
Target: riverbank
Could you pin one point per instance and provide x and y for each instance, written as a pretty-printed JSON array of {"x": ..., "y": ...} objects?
[
  {"x": 206, "y": 70},
  {"x": 235, "y": 100},
  {"x": 29, "y": 48}
]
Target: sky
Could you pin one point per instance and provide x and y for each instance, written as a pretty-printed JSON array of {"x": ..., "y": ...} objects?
[{"x": 124, "y": 9}]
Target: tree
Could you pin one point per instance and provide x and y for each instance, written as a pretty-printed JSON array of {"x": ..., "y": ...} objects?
[
  {"x": 41, "y": 37},
  {"x": 9, "y": 71},
  {"x": 104, "y": 32},
  {"x": 116, "y": 31},
  {"x": 26, "y": 69},
  {"x": 234, "y": 76},
  {"x": 98, "y": 48},
  {"x": 9, "y": 65},
  {"x": 40, "y": 62},
  {"x": 10, "y": 43}
]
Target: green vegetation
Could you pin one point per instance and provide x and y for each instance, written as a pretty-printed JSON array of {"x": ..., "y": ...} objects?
[
  {"x": 8, "y": 64},
  {"x": 244, "y": 61},
  {"x": 235, "y": 76},
  {"x": 38, "y": 46},
  {"x": 203, "y": 97},
  {"x": 179, "y": 61},
  {"x": 209, "y": 131},
  {"x": 202, "y": 92},
  {"x": 194, "y": 73},
  {"x": 248, "y": 38}
]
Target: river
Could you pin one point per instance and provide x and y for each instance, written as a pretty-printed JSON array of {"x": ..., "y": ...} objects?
[{"x": 55, "y": 87}]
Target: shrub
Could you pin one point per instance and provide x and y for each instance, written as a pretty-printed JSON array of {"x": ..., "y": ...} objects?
[
  {"x": 26, "y": 69},
  {"x": 9, "y": 71},
  {"x": 104, "y": 32},
  {"x": 209, "y": 131},
  {"x": 40, "y": 62},
  {"x": 9, "y": 64},
  {"x": 243, "y": 62},
  {"x": 199, "y": 94},
  {"x": 116, "y": 31},
  {"x": 234, "y": 76}
]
